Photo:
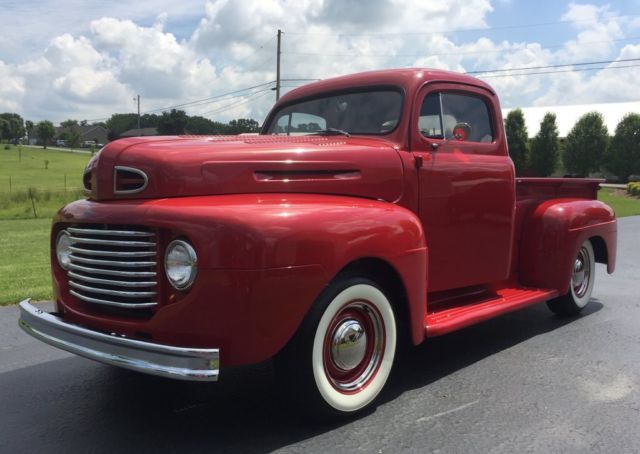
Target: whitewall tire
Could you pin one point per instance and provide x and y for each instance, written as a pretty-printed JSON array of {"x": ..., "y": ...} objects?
[
  {"x": 342, "y": 355},
  {"x": 583, "y": 273}
]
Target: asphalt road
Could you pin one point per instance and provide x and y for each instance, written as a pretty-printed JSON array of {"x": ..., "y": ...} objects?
[{"x": 526, "y": 382}]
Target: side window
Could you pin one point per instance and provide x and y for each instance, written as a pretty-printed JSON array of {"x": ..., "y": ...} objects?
[
  {"x": 430, "y": 120},
  {"x": 455, "y": 116}
]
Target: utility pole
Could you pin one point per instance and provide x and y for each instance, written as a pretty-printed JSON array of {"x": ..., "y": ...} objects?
[
  {"x": 278, "y": 66},
  {"x": 138, "y": 110}
]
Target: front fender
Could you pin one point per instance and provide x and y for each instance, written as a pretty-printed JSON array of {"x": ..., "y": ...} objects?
[
  {"x": 278, "y": 230},
  {"x": 264, "y": 259},
  {"x": 554, "y": 232}
]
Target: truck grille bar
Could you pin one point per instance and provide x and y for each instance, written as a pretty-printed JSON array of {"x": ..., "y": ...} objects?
[{"x": 114, "y": 266}]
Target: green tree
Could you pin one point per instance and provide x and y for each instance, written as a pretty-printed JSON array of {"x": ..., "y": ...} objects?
[
  {"x": 12, "y": 126},
  {"x": 68, "y": 124},
  {"x": 242, "y": 125},
  {"x": 71, "y": 137},
  {"x": 172, "y": 123},
  {"x": 46, "y": 131},
  {"x": 586, "y": 145},
  {"x": 71, "y": 134},
  {"x": 29, "y": 127},
  {"x": 544, "y": 147},
  {"x": 201, "y": 125},
  {"x": 149, "y": 121},
  {"x": 518, "y": 139},
  {"x": 623, "y": 154},
  {"x": 4, "y": 129},
  {"x": 119, "y": 123}
]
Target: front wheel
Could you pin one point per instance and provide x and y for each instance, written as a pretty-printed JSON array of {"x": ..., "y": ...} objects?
[
  {"x": 342, "y": 355},
  {"x": 582, "y": 279}
]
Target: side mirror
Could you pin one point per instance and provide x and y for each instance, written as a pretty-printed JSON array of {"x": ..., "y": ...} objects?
[{"x": 461, "y": 132}]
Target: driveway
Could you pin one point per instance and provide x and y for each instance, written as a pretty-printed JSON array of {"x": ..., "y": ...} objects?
[{"x": 525, "y": 382}]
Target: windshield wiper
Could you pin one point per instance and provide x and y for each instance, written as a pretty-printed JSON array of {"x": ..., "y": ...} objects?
[{"x": 331, "y": 132}]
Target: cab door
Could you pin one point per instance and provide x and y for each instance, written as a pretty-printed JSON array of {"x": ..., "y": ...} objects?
[{"x": 467, "y": 189}]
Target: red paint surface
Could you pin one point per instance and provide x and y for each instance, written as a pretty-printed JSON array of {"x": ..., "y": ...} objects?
[{"x": 274, "y": 219}]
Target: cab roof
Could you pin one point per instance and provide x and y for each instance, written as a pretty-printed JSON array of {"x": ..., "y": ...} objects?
[{"x": 410, "y": 79}]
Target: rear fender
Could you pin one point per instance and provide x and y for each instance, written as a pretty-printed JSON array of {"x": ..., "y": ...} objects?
[{"x": 552, "y": 235}]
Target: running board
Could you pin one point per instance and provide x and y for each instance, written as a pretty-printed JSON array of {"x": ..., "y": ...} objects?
[{"x": 453, "y": 318}]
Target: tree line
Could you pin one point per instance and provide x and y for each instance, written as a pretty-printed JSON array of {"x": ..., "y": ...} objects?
[
  {"x": 178, "y": 122},
  {"x": 13, "y": 128},
  {"x": 588, "y": 148}
]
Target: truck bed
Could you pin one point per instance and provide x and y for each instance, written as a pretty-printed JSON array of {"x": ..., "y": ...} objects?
[
  {"x": 539, "y": 189},
  {"x": 530, "y": 192}
]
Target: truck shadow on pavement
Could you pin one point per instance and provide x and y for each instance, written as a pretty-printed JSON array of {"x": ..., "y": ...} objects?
[{"x": 79, "y": 406}]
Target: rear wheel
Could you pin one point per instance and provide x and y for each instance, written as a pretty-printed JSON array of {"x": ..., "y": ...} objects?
[
  {"x": 341, "y": 357},
  {"x": 581, "y": 286}
]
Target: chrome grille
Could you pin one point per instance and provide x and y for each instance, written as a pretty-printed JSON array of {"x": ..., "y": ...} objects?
[{"x": 114, "y": 266}]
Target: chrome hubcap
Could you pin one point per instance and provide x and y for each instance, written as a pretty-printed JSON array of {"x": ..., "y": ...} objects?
[
  {"x": 581, "y": 273},
  {"x": 348, "y": 345},
  {"x": 353, "y": 346}
]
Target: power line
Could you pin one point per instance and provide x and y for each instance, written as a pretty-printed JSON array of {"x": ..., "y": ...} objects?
[
  {"x": 226, "y": 108},
  {"x": 602, "y": 62},
  {"x": 234, "y": 104},
  {"x": 205, "y": 100},
  {"x": 262, "y": 63},
  {"x": 201, "y": 102},
  {"x": 301, "y": 80},
  {"x": 462, "y": 30},
  {"x": 603, "y": 68},
  {"x": 225, "y": 99},
  {"x": 444, "y": 54},
  {"x": 525, "y": 68}
]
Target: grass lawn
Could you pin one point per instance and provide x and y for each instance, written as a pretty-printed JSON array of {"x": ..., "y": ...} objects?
[
  {"x": 53, "y": 177},
  {"x": 29, "y": 168},
  {"x": 24, "y": 262},
  {"x": 622, "y": 204}
]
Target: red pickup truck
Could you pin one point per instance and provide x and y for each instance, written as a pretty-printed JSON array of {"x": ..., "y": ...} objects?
[{"x": 372, "y": 208}]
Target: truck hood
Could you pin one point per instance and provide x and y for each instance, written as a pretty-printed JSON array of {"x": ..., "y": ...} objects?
[{"x": 208, "y": 165}]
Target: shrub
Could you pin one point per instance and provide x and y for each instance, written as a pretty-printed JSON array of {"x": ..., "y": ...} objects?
[{"x": 634, "y": 188}]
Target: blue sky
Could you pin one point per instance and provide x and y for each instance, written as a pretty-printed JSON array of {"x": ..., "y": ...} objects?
[{"x": 85, "y": 59}]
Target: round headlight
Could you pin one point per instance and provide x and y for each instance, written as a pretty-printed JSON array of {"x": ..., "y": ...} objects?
[
  {"x": 180, "y": 264},
  {"x": 63, "y": 243}
]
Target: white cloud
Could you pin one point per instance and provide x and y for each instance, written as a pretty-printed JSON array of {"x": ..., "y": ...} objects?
[
  {"x": 12, "y": 88},
  {"x": 102, "y": 62},
  {"x": 597, "y": 26}
]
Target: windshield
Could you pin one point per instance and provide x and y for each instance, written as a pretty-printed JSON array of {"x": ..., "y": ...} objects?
[{"x": 375, "y": 111}]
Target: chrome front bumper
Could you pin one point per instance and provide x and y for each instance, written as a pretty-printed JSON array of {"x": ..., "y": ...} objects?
[{"x": 197, "y": 364}]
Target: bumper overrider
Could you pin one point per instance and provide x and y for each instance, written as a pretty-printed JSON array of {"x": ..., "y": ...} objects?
[{"x": 197, "y": 364}]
